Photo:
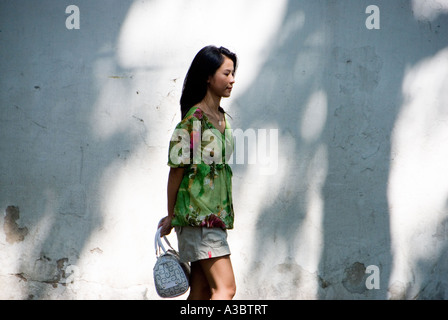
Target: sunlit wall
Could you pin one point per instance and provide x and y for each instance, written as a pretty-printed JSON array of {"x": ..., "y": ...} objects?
[{"x": 349, "y": 98}]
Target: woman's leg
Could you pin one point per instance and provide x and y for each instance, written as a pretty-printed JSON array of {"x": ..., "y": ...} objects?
[
  {"x": 199, "y": 288},
  {"x": 220, "y": 277}
]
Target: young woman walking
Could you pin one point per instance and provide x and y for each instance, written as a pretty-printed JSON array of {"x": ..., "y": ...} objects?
[{"x": 199, "y": 187}]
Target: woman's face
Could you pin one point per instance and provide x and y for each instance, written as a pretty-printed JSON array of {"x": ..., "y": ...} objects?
[{"x": 221, "y": 83}]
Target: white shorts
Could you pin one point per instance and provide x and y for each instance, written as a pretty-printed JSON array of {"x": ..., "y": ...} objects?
[{"x": 198, "y": 243}]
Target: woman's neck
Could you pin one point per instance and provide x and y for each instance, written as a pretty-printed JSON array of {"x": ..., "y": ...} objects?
[{"x": 211, "y": 103}]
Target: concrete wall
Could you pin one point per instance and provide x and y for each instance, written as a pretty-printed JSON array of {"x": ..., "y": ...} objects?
[{"x": 357, "y": 208}]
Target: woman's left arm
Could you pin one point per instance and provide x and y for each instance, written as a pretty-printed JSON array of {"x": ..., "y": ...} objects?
[{"x": 174, "y": 179}]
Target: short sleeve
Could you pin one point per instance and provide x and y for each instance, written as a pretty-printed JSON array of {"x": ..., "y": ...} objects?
[{"x": 185, "y": 142}]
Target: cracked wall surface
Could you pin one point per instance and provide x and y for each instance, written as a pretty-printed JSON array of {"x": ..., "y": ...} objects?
[{"x": 356, "y": 208}]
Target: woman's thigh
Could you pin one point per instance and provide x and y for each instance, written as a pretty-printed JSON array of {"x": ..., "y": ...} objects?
[
  {"x": 199, "y": 288},
  {"x": 219, "y": 273}
]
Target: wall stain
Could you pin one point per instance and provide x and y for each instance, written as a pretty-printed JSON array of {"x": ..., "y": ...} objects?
[
  {"x": 355, "y": 277},
  {"x": 12, "y": 231}
]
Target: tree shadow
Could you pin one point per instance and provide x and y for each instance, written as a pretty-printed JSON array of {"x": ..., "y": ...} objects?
[
  {"x": 55, "y": 165},
  {"x": 330, "y": 86},
  {"x": 330, "y": 219}
]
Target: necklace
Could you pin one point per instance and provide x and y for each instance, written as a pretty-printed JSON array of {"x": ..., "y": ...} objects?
[
  {"x": 220, "y": 121},
  {"x": 210, "y": 115}
]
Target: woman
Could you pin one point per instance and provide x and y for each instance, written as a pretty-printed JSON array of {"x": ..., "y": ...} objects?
[{"x": 199, "y": 184}]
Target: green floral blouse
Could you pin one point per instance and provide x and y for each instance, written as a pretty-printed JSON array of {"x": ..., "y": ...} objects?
[{"x": 205, "y": 194}]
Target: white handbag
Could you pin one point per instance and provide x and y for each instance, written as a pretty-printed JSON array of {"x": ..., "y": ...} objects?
[{"x": 171, "y": 277}]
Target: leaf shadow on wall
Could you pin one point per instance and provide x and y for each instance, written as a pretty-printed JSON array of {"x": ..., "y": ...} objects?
[{"x": 328, "y": 218}]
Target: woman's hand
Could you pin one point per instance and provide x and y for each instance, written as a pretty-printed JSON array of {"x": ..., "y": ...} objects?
[{"x": 165, "y": 223}]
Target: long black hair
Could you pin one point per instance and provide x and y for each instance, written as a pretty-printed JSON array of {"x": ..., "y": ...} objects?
[{"x": 204, "y": 65}]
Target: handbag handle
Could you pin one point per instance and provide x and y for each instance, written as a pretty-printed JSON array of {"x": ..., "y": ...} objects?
[{"x": 158, "y": 242}]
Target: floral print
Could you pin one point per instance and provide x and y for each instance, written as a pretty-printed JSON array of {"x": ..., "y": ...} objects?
[{"x": 204, "y": 198}]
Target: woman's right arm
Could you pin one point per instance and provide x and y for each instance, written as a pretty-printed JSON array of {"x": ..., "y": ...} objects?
[{"x": 174, "y": 179}]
